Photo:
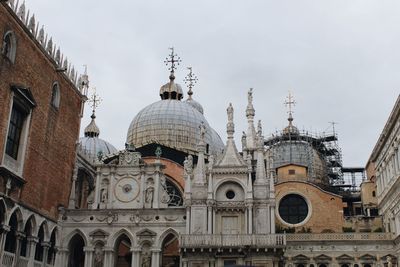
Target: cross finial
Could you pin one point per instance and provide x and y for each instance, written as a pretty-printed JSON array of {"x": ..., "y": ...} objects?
[
  {"x": 190, "y": 81},
  {"x": 290, "y": 102},
  {"x": 172, "y": 59},
  {"x": 94, "y": 101}
]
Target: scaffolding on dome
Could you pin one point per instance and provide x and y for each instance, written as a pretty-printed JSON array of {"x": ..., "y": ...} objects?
[{"x": 302, "y": 147}]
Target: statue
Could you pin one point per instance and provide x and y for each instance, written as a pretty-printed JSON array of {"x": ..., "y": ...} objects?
[
  {"x": 244, "y": 138},
  {"x": 149, "y": 194},
  {"x": 188, "y": 165},
  {"x": 98, "y": 256},
  {"x": 146, "y": 262},
  {"x": 250, "y": 96},
  {"x": 103, "y": 195},
  {"x": 229, "y": 110},
  {"x": 165, "y": 198},
  {"x": 202, "y": 131},
  {"x": 259, "y": 127},
  {"x": 210, "y": 162}
]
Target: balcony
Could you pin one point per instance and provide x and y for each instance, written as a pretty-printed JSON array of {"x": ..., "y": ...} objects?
[{"x": 232, "y": 241}]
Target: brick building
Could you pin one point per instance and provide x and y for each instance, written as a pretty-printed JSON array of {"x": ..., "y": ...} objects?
[{"x": 40, "y": 110}]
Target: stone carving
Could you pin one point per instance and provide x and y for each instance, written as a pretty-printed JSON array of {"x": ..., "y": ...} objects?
[
  {"x": 229, "y": 111},
  {"x": 146, "y": 259},
  {"x": 211, "y": 161},
  {"x": 244, "y": 141},
  {"x": 103, "y": 195},
  {"x": 165, "y": 198},
  {"x": 250, "y": 96}
]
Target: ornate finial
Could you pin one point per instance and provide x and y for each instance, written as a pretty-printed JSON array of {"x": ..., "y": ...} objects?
[
  {"x": 94, "y": 102},
  {"x": 250, "y": 96},
  {"x": 259, "y": 128},
  {"x": 158, "y": 152},
  {"x": 190, "y": 81},
  {"x": 289, "y": 104},
  {"x": 174, "y": 60}
]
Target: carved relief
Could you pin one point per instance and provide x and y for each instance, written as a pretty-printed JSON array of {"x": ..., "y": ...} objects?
[{"x": 149, "y": 193}]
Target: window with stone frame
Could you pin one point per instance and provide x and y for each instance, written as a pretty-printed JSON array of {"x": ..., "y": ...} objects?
[{"x": 9, "y": 46}]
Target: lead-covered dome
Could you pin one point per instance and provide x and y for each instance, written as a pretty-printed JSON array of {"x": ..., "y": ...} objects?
[
  {"x": 91, "y": 144},
  {"x": 174, "y": 124}
]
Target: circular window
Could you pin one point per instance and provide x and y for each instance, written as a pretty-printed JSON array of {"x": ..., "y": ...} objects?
[
  {"x": 230, "y": 194},
  {"x": 293, "y": 209}
]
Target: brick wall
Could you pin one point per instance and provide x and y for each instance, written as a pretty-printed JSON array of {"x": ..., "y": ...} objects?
[{"x": 53, "y": 132}]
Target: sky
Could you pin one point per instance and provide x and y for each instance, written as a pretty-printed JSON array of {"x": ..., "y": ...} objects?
[{"x": 340, "y": 59}]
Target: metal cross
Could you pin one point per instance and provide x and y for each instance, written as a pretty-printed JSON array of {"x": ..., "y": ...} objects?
[
  {"x": 190, "y": 79},
  {"x": 173, "y": 59},
  {"x": 290, "y": 102},
  {"x": 95, "y": 100}
]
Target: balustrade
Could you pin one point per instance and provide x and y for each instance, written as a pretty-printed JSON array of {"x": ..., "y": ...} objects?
[
  {"x": 229, "y": 240},
  {"x": 8, "y": 259},
  {"x": 340, "y": 237},
  {"x": 22, "y": 262}
]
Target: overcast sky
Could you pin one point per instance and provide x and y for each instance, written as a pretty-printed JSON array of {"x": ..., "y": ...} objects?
[{"x": 340, "y": 59}]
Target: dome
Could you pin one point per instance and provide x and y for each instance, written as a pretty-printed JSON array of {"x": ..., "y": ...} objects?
[
  {"x": 174, "y": 124},
  {"x": 195, "y": 105},
  {"x": 94, "y": 145}
]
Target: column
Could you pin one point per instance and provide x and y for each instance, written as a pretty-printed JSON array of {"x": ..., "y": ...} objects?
[
  {"x": 187, "y": 220},
  {"x": 31, "y": 248},
  {"x": 209, "y": 227},
  {"x": 250, "y": 208},
  {"x": 155, "y": 257},
  {"x": 62, "y": 257},
  {"x": 135, "y": 257},
  {"x": 156, "y": 188},
  {"x": 3, "y": 233},
  {"x": 212, "y": 262},
  {"x": 108, "y": 256},
  {"x": 185, "y": 263},
  {"x": 97, "y": 200},
  {"x": 110, "y": 188},
  {"x": 143, "y": 187},
  {"x": 88, "y": 256},
  {"x": 19, "y": 237},
  {"x": 272, "y": 219}
]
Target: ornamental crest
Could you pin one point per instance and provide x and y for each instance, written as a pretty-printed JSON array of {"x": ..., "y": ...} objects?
[{"x": 129, "y": 158}]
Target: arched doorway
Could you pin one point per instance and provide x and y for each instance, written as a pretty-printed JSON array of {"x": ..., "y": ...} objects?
[
  {"x": 76, "y": 253},
  {"x": 170, "y": 251},
  {"x": 123, "y": 254}
]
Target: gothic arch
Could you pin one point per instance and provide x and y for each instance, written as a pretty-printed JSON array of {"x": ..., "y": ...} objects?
[
  {"x": 165, "y": 234},
  {"x": 56, "y": 232},
  {"x": 32, "y": 220},
  {"x": 45, "y": 227},
  {"x": 20, "y": 220},
  {"x": 71, "y": 235},
  {"x": 112, "y": 241}
]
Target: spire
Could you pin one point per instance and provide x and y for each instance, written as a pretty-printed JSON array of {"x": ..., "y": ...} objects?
[
  {"x": 171, "y": 90},
  {"x": 200, "y": 170},
  {"x": 92, "y": 130},
  {"x": 231, "y": 156},
  {"x": 250, "y": 113},
  {"x": 261, "y": 176},
  {"x": 190, "y": 81}
]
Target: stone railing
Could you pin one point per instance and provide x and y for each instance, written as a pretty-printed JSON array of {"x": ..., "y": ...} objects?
[
  {"x": 225, "y": 240},
  {"x": 22, "y": 262},
  {"x": 340, "y": 237}
]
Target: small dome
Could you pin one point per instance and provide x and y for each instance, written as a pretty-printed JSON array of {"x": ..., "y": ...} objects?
[
  {"x": 92, "y": 130},
  {"x": 291, "y": 129},
  {"x": 171, "y": 90},
  {"x": 94, "y": 145},
  {"x": 195, "y": 105},
  {"x": 174, "y": 124}
]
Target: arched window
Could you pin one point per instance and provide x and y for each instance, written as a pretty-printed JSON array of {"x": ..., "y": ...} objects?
[
  {"x": 55, "y": 95},
  {"x": 39, "y": 246},
  {"x": 9, "y": 46},
  {"x": 51, "y": 255}
]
